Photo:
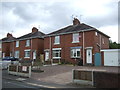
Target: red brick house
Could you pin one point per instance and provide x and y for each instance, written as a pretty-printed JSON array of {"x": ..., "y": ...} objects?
[
  {"x": 77, "y": 41},
  {"x": 29, "y": 46},
  {"x": 26, "y": 47},
  {"x": 6, "y": 47}
]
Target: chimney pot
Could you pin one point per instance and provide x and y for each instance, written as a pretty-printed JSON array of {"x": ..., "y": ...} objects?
[
  {"x": 76, "y": 21},
  {"x": 34, "y": 29},
  {"x": 9, "y": 35}
]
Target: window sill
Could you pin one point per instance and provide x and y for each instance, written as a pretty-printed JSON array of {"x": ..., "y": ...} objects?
[
  {"x": 26, "y": 57},
  {"x": 75, "y": 57},
  {"x": 27, "y": 46},
  {"x": 56, "y": 57},
  {"x": 76, "y": 42},
  {"x": 56, "y": 43}
]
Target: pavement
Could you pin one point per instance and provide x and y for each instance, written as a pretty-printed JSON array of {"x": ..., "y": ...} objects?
[{"x": 58, "y": 76}]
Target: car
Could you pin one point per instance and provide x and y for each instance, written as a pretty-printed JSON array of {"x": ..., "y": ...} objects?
[{"x": 6, "y": 61}]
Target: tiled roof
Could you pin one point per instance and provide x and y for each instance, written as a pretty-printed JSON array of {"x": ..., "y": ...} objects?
[
  {"x": 8, "y": 39},
  {"x": 32, "y": 35},
  {"x": 72, "y": 28}
]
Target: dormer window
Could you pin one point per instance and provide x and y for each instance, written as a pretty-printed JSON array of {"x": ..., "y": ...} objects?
[
  {"x": 27, "y": 43},
  {"x": 57, "y": 40},
  {"x": 75, "y": 38}
]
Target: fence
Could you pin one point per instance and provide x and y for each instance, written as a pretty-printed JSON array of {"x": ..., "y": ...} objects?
[{"x": 18, "y": 70}]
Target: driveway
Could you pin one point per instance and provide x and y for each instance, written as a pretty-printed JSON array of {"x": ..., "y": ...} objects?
[{"x": 62, "y": 74}]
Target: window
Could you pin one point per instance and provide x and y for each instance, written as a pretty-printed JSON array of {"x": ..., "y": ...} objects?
[
  {"x": 57, "y": 53},
  {"x": 27, "y": 43},
  {"x": 0, "y": 54},
  {"x": 57, "y": 40},
  {"x": 27, "y": 53},
  {"x": 75, "y": 37},
  {"x": 75, "y": 53},
  {"x": 96, "y": 33},
  {"x": 16, "y": 54},
  {"x": 17, "y": 43},
  {"x": 0, "y": 45},
  {"x": 103, "y": 41}
]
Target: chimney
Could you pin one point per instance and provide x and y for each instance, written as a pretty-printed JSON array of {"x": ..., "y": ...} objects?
[
  {"x": 76, "y": 21},
  {"x": 9, "y": 35},
  {"x": 34, "y": 29}
]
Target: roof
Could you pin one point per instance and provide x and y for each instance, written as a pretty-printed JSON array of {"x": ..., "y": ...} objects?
[
  {"x": 74, "y": 28},
  {"x": 110, "y": 50},
  {"x": 8, "y": 39},
  {"x": 37, "y": 34}
]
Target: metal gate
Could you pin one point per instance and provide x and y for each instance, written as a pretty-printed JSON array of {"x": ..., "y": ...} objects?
[{"x": 97, "y": 59}]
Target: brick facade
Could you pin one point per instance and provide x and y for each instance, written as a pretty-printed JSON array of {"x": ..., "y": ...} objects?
[{"x": 90, "y": 40}]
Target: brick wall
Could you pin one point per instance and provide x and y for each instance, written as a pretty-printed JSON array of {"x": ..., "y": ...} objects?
[
  {"x": 106, "y": 80},
  {"x": 66, "y": 42}
]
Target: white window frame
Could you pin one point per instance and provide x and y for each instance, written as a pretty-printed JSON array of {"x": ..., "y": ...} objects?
[
  {"x": 103, "y": 41},
  {"x": 0, "y": 54},
  {"x": 96, "y": 33},
  {"x": 57, "y": 40},
  {"x": 75, "y": 38},
  {"x": 74, "y": 51},
  {"x": 56, "y": 50},
  {"x": 17, "y": 53},
  {"x": 17, "y": 43},
  {"x": 28, "y": 50},
  {"x": 27, "y": 43},
  {"x": 0, "y": 44},
  {"x": 47, "y": 57}
]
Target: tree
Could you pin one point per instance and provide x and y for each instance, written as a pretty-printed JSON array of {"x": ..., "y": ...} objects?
[{"x": 114, "y": 45}]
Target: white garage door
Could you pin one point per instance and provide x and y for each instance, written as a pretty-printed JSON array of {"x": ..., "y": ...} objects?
[{"x": 111, "y": 58}]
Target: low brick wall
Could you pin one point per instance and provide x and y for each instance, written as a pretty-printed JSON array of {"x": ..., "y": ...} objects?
[
  {"x": 106, "y": 79},
  {"x": 97, "y": 78},
  {"x": 82, "y": 75},
  {"x": 24, "y": 71}
]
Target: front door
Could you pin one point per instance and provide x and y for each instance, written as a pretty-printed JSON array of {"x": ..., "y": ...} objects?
[
  {"x": 89, "y": 56},
  {"x": 46, "y": 56}
]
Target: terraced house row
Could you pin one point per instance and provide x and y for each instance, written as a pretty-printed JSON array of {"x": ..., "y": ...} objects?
[{"x": 69, "y": 44}]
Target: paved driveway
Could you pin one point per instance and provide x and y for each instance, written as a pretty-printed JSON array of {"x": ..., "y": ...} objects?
[{"x": 62, "y": 74}]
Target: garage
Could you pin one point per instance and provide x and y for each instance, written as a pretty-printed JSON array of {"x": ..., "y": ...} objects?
[{"x": 111, "y": 57}]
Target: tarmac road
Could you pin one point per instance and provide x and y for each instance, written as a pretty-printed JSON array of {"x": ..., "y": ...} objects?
[{"x": 9, "y": 84}]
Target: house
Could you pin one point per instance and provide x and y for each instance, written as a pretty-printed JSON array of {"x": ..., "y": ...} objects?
[
  {"x": 26, "y": 47},
  {"x": 29, "y": 46},
  {"x": 6, "y": 47},
  {"x": 75, "y": 42}
]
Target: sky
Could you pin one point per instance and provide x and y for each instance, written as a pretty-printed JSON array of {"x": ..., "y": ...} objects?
[{"x": 19, "y": 16}]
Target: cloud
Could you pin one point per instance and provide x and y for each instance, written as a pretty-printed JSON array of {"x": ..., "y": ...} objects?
[{"x": 50, "y": 16}]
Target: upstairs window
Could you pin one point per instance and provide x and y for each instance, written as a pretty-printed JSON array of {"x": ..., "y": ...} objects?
[
  {"x": 57, "y": 40},
  {"x": 27, "y": 43},
  {"x": 17, "y": 43},
  {"x": 75, "y": 38},
  {"x": 103, "y": 41},
  {"x": 96, "y": 33},
  {"x": 0, "y": 45}
]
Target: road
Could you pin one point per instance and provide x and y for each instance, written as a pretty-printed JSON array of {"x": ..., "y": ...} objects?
[{"x": 6, "y": 83}]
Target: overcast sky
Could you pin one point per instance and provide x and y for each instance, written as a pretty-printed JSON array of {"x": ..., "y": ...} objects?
[{"x": 18, "y": 18}]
